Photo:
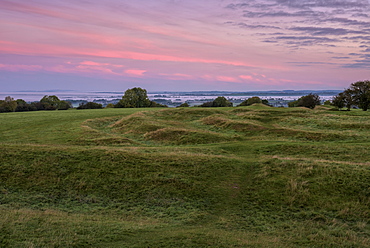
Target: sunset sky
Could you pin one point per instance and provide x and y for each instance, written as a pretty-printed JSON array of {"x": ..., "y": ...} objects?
[{"x": 183, "y": 45}]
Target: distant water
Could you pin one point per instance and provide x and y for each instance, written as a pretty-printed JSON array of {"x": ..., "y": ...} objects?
[
  {"x": 174, "y": 97},
  {"x": 183, "y": 98}
]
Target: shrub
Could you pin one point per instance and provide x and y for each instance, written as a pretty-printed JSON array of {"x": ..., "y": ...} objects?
[
  {"x": 254, "y": 100},
  {"x": 309, "y": 101},
  {"x": 184, "y": 105},
  {"x": 110, "y": 105},
  {"x": 218, "y": 102},
  {"x": 8, "y": 105},
  {"x": 90, "y": 105}
]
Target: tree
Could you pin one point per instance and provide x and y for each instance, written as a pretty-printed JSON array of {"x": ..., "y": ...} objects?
[
  {"x": 253, "y": 100},
  {"x": 37, "y": 106},
  {"x": 50, "y": 102},
  {"x": 309, "y": 101},
  {"x": 137, "y": 98},
  {"x": 9, "y": 99},
  {"x": 22, "y": 106},
  {"x": 154, "y": 104},
  {"x": 134, "y": 98},
  {"x": 338, "y": 101},
  {"x": 8, "y": 105},
  {"x": 360, "y": 92},
  {"x": 184, "y": 105},
  {"x": 110, "y": 105},
  {"x": 53, "y": 103},
  {"x": 266, "y": 102},
  {"x": 222, "y": 102},
  {"x": 218, "y": 102},
  {"x": 343, "y": 99},
  {"x": 90, "y": 105},
  {"x": 206, "y": 104},
  {"x": 293, "y": 104},
  {"x": 64, "y": 105}
]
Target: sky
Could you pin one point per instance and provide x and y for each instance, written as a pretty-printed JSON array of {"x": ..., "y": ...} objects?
[{"x": 183, "y": 45}]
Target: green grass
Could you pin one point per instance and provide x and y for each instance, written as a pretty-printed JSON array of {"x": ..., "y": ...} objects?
[{"x": 188, "y": 177}]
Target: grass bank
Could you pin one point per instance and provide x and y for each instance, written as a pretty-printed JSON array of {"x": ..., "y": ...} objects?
[{"x": 189, "y": 177}]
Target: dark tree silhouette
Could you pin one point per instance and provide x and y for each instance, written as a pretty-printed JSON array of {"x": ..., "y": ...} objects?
[
  {"x": 218, "y": 102},
  {"x": 136, "y": 98},
  {"x": 360, "y": 92}
]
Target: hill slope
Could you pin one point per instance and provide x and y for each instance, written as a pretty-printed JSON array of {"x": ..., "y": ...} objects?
[{"x": 193, "y": 177}]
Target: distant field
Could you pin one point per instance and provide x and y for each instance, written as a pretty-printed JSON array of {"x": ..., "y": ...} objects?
[{"x": 187, "y": 177}]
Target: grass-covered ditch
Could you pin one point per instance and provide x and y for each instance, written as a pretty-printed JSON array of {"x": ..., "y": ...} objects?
[{"x": 187, "y": 177}]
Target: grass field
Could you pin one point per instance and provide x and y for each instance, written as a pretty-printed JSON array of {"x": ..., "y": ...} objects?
[{"x": 187, "y": 177}]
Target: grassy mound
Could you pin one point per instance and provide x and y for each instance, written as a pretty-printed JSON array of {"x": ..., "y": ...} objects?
[
  {"x": 193, "y": 177},
  {"x": 186, "y": 126},
  {"x": 138, "y": 123},
  {"x": 227, "y": 123},
  {"x": 185, "y": 136}
]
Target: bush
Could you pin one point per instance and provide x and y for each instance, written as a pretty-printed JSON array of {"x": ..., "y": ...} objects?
[
  {"x": 64, "y": 105},
  {"x": 184, "y": 105},
  {"x": 254, "y": 100},
  {"x": 90, "y": 105},
  {"x": 154, "y": 104},
  {"x": 23, "y": 106},
  {"x": 309, "y": 101},
  {"x": 50, "y": 102},
  {"x": 110, "y": 105},
  {"x": 8, "y": 105},
  {"x": 218, "y": 102}
]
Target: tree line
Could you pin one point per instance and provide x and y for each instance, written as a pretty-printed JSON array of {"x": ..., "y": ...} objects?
[
  {"x": 357, "y": 95},
  {"x": 46, "y": 103},
  {"x": 132, "y": 98}
]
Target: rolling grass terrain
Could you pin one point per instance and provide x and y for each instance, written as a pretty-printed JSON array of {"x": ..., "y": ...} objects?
[{"x": 187, "y": 177}]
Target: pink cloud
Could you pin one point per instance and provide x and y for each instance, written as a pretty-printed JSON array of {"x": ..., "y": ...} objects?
[
  {"x": 176, "y": 76},
  {"x": 207, "y": 77},
  {"x": 78, "y": 16},
  {"x": 92, "y": 63},
  {"x": 135, "y": 72},
  {"x": 246, "y": 77},
  {"x": 55, "y": 50},
  {"x": 14, "y": 68},
  {"x": 177, "y": 34},
  {"x": 28, "y": 9},
  {"x": 220, "y": 78},
  {"x": 101, "y": 38},
  {"x": 96, "y": 69},
  {"x": 184, "y": 76},
  {"x": 227, "y": 79},
  {"x": 86, "y": 67}
]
